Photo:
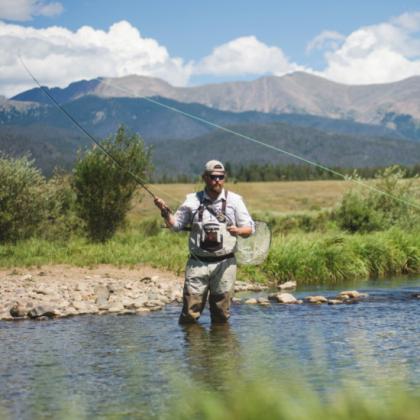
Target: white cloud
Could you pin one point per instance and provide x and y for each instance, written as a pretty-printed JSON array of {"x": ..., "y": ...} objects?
[
  {"x": 21, "y": 10},
  {"x": 325, "y": 40},
  {"x": 245, "y": 55},
  {"x": 59, "y": 56},
  {"x": 381, "y": 53}
]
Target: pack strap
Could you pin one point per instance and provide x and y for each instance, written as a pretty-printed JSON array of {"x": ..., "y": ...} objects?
[{"x": 204, "y": 204}]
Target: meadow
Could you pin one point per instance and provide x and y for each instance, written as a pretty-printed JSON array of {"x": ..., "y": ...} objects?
[{"x": 306, "y": 246}]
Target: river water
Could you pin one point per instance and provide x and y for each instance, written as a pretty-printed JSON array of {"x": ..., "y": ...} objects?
[{"x": 106, "y": 365}]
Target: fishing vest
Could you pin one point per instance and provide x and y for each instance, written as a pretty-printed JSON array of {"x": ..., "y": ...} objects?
[{"x": 209, "y": 235}]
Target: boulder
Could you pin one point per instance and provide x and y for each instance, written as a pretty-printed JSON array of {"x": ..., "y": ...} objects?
[
  {"x": 116, "y": 307},
  {"x": 251, "y": 301},
  {"x": 285, "y": 298},
  {"x": 288, "y": 285},
  {"x": 351, "y": 294},
  {"x": 263, "y": 301},
  {"x": 41, "y": 311},
  {"x": 316, "y": 299},
  {"x": 18, "y": 310},
  {"x": 335, "y": 301}
]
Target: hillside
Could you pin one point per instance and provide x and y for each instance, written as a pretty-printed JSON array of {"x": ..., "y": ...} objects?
[{"x": 314, "y": 145}]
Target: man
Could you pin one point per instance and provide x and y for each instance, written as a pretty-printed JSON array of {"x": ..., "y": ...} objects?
[{"x": 216, "y": 217}]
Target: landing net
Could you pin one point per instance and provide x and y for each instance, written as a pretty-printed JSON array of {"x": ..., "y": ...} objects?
[{"x": 254, "y": 249}]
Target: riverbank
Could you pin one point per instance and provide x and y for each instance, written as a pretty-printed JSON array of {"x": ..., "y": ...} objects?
[{"x": 57, "y": 291}]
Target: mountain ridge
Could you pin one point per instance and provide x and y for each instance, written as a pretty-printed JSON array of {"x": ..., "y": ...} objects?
[{"x": 297, "y": 92}]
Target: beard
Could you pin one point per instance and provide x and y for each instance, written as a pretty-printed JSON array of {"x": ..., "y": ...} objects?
[{"x": 216, "y": 188}]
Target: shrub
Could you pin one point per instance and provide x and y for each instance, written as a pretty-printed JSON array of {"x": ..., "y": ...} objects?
[
  {"x": 60, "y": 220},
  {"x": 384, "y": 205},
  {"x": 22, "y": 205},
  {"x": 103, "y": 188}
]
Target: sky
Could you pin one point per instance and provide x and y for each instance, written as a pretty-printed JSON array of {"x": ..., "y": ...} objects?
[{"x": 190, "y": 43}]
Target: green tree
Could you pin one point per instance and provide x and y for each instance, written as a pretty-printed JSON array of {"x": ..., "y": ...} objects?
[
  {"x": 21, "y": 198},
  {"x": 103, "y": 188}
]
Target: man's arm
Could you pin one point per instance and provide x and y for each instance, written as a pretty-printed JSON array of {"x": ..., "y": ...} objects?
[
  {"x": 165, "y": 212},
  {"x": 180, "y": 219},
  {"x": 244, "y": 224}
]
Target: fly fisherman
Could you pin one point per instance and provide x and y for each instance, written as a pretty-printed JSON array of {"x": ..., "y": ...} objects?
[{"x": 216, "y": 218}]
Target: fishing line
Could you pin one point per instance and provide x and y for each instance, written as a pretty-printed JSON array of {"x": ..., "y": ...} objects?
[
  {"x": 269, "y": 146},
  {"x": 136, "y": 177},
  {"x": 81, "y": 128}
]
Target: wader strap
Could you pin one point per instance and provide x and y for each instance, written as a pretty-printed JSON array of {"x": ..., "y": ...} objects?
[
  {"x": 224, "y": 203},
  {"x": 203, "y": 205}
]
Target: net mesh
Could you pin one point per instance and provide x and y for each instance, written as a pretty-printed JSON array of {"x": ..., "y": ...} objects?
[{"x": 254, "y": 249}]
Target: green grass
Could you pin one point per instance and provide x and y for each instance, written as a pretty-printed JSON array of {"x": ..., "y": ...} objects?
[
  {"x": 311, "y": 258},
  {"x": 164, "y": 250},
  {"x": 317, "y": 258},
  {"x": 290, "y": 399}
]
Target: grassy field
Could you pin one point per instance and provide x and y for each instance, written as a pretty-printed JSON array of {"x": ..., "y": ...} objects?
[
  {"x": 307, "y": 244},
  {"x": 273, "y": 197}
]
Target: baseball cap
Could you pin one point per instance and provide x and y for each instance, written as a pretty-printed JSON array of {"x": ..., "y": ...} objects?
[{"x": 214, "y": 166}]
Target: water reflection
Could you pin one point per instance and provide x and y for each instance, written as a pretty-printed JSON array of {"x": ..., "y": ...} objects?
[
  {"x": 212, "y": 354},
  {"x": 106, "y": 365}
]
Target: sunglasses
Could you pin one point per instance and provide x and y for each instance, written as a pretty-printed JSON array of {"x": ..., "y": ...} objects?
[{"x": 217, "y": 177}]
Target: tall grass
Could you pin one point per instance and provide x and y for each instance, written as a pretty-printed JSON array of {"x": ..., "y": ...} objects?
[
  {"x": 333, "y": 257},
  {"x": 310, "y": 258},
  {"x": 264, "y": 399},
  {"x": 146, "y": 243}
]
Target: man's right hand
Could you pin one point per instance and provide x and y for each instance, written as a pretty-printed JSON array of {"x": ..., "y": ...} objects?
[
  {"x": 165, "y": 211},
  {"x": 160, "y": 204}
]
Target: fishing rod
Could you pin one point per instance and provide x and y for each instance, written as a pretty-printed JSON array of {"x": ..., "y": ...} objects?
[
  {"x": 212, "y": 124},
  {"x": 165, "y": 210},
  {"x": 81, "y": 128},
  {"x": 269, "y": 146}
]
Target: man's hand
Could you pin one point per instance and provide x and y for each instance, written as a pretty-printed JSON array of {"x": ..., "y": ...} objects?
[
  {"x": 159, "y": 203},
  {"x": 165, "y": 211},
  {"x": 243, "y": 231}
]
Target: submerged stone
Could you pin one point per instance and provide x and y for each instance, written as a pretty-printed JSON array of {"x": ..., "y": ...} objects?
[
  {"x": 251, "y": 301},
  {"x": 351, "y": 294},
  {"x": 316, "y": 299}
]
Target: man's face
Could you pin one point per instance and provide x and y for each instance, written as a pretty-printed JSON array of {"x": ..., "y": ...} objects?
[{"x": 214, "y": 181}]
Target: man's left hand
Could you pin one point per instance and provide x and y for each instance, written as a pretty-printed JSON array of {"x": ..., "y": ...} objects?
[{"x": 239, "y": 231}]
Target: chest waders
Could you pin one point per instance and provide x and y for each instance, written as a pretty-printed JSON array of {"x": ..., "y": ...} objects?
[
  {"x": 211, "y": 267},
  {"x": 209, "y": 239}
]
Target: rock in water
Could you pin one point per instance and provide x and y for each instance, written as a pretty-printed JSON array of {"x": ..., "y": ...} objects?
[
  {"x": 335, "y": 302},
  {"x": 18, "y": 310},
  {"x": 251, "y": 301},
  {"x": 288, "y": 285},
  {"x": 316, "y": 299},
  {"x": 41, "y": 311},
  {"x": 351, "y": 294},
  {"x": 286, "y": 298}
]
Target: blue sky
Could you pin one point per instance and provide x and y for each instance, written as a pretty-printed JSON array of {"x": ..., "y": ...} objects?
[{"x": 190, "y": 42}]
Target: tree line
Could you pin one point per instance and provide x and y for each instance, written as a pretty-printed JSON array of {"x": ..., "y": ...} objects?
[{"x": 292, "y": 172}]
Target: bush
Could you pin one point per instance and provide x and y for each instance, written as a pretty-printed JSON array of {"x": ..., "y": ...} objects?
[
  {"x": 22, "y": 205},
  {"x": 103, "y": 188},
  {"x": 61, "y": 220},
  {"x": 388, "y": 204}
]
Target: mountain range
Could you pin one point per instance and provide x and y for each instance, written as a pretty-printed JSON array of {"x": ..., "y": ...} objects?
[{"x": 331, "y": 123}]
